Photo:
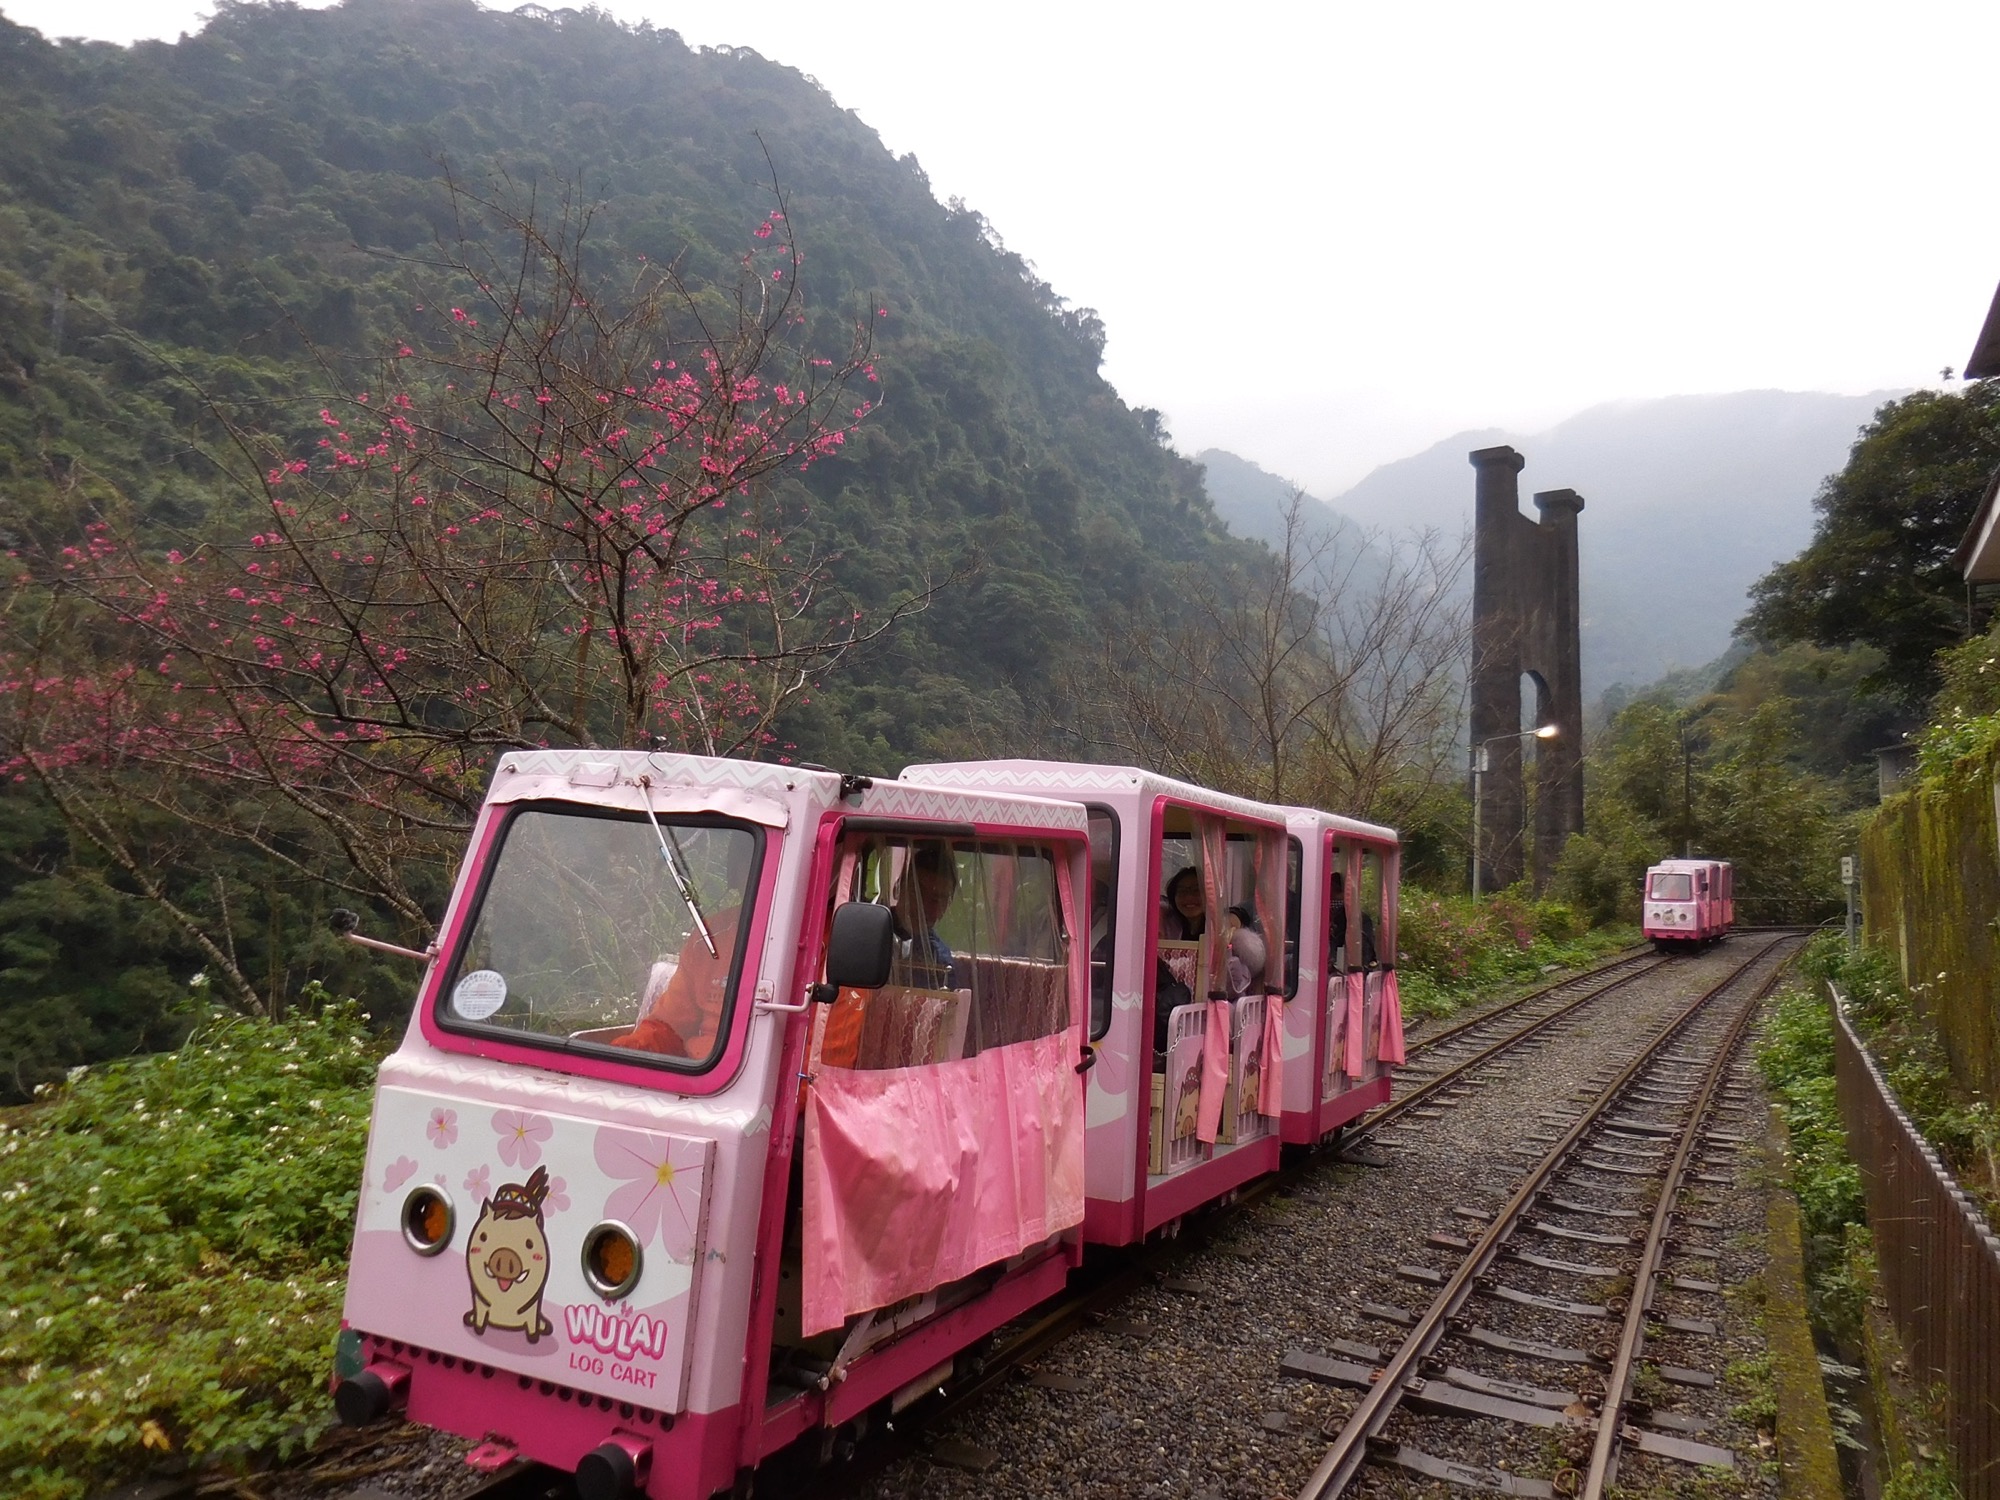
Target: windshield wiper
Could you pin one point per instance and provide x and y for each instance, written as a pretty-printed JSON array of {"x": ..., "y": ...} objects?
[{"x": 677, "y": 868}]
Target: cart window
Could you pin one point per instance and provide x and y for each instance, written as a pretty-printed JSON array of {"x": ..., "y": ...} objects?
[
  {"x": 1370, "y": 903},
  {"x": 1103, "y": 916},
  {"x": 597, "y": 931},
  {"x": 981, "y": 951}
]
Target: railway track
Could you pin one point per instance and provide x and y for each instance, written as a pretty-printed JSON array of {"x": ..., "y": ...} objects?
[
  {"x": 1443, "y": 1065},
  {"x": 1641, "y": 1138}
]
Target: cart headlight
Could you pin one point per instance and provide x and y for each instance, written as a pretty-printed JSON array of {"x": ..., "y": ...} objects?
[
  {"x": 611, "y": 1260},
  {"x": 428, "y": 1218}
]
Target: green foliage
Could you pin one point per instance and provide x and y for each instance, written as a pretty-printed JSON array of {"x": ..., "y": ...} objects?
[
  {"x": 1796, "y": 1057},
  {"x": 1451, "y": 948},
  {"x": 1964, "y": 726},
  {"x": 177, "y": 1229},
  {"x": 1925, "y": 1477},
  {"x": 1744, "y": 775},
  {"x": 1754, "y": 1379},
  {"x": 1879, "y": 569}
]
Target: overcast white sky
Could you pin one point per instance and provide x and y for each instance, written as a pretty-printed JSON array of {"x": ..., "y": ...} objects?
[{"x": 1327, "y": 235}]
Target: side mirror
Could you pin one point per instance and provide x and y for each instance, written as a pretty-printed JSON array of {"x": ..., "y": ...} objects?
[
  {"x": 347, "y": 924},
  {"x": 861, "y": 946}
]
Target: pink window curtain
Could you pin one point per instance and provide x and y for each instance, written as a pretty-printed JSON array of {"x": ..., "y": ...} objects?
[
  {"x": 1357, "y": 999},
  {"x": 917, "y": 1176},
  {"x": 1271, "y": 912},
  {"x": 1389, "y": 1045},
  {"x": 1213, "y": 839}
]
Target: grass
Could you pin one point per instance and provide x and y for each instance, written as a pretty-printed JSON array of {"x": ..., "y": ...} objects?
[
  {"x": 1796, "y": 1058},
  {"x": 178, "y": 1228}
]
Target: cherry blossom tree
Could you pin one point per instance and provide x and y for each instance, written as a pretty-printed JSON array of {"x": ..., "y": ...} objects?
[{"x": 559, "y": 513}]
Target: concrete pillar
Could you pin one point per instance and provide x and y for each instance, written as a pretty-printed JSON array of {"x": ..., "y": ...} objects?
[
  {"x": 1526, "y": 621},
  {"x": 1559, "y": 762},
  {"x": 1496, "y": 661}
]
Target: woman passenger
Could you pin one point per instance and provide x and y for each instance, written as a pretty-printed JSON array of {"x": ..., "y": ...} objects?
[{"x": 1184, "y": 915}]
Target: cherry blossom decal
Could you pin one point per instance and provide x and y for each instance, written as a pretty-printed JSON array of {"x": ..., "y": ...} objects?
[
  {"x": 660, "y": 1198},
  {"x": 521, "y": 1136}
]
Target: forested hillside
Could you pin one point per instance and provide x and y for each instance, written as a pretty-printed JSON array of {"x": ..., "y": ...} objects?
[{"x": 210, "y": 238}]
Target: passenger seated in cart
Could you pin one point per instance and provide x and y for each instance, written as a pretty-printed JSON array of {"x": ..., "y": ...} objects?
[
  {"x": 927, "y": 894},
  {"x": 1168, "y": 993},
  {"x": 1243, "y": 937},
  {"x": 1336, "y": 928},
  {"x": 1183, "y": 914},
  {"x": 681, "y": 1007},
  {"x": 1243, "y": 943}
]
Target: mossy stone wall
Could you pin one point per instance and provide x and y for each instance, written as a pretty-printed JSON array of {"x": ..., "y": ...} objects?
[{"x": 1930, "y": 894}]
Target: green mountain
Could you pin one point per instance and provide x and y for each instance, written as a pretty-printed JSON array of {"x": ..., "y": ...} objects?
[
  {"x": 255, "y": 210},
  {"x": 229, "y": 197}
]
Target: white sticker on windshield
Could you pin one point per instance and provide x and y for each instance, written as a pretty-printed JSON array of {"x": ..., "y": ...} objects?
[{"x": 479, "y": 994}]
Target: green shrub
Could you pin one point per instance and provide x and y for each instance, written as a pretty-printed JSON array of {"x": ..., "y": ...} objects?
[
  {"x": 1452, "y": 947},
  {"x": 178, "y": 1227}
]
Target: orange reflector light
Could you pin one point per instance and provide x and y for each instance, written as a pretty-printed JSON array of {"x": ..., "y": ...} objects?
[
  {"x": 611, "y": 1259},
  {"x": 427, "y": 1220}
]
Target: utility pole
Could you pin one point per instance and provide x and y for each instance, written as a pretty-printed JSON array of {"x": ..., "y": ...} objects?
[{"x": 1687, "y": 794}]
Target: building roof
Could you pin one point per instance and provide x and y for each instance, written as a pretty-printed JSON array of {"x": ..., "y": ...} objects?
[
  {"x": 1978, "y": 554},
  {"x": 1985, "y": 358}
]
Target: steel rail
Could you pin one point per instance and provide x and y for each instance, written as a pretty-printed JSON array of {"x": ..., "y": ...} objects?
[
  {"x": 1396, "y": 1108},
  {"x": 1349, "y": 1450},
  {"x": 1632, "y": 1338},
  {"x": 1436, "y": 1039}
]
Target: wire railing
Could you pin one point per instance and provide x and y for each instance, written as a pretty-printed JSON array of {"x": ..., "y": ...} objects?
[{"x": 1937, "y": 1258}]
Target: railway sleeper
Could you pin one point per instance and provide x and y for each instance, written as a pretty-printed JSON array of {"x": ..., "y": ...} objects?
[
  {"x": 1593, "y": 1210},
  {"x": 1520, "y": 1298},
  {"x": 1442, "y": 1398},
  {"x": 1454, "y": 1471},
  {"x": 1567, "y": 1267},
  {"x": 1530, "y": 1348},
  {"x": 1685, "y": 1450}
]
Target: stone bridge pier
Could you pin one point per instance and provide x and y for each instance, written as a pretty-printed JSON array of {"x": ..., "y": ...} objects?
[{"x": 1526, "y": 625}]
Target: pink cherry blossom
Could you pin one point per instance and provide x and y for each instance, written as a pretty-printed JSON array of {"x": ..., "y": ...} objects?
[
  {"x": 479, "y": 1182},
  {"x": 400, "y": 1171},
  {"x": 521, "y": 1135},
  {"x": 443, "y": 1127}
]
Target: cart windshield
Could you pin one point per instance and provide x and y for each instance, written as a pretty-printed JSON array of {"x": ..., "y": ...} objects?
[
  {"x": 1672, "y": 885},
  {"x": 599, "y": 930}
]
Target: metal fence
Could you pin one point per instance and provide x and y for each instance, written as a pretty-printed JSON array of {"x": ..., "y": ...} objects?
[{"x": 1939, "y": 1263}]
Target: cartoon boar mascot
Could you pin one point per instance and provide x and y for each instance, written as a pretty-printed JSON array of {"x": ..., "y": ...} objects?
[
  {"x": 1189, "y": 1115},
  {"x": 508, "y": 1259}
]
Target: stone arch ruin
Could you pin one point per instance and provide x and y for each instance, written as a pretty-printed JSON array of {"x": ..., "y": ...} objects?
[{"x": 1526, "y": 621}]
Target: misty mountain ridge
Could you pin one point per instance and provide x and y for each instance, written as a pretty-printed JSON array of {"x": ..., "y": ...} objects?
[{"x": 1688, "y": 500}]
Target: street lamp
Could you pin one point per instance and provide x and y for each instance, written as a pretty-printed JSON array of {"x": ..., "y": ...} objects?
[{"x": 1546, "y": 732}]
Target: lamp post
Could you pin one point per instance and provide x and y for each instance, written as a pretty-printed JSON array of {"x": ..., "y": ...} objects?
[{"x": 1546, "y": 732}]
